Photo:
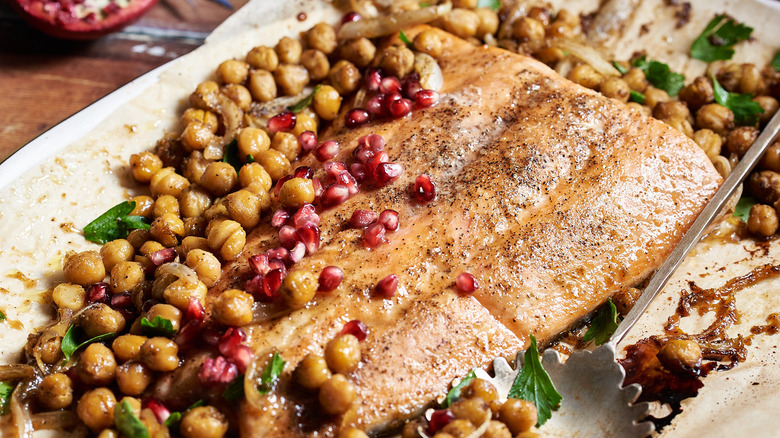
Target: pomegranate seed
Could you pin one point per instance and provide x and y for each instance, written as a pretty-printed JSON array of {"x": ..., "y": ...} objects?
[
  {"x": 276, "y": 253},
  {"x": 348, "y": 181},
  {"x": 288, "y": 237},
  {"x": 466, "y": 283},
  {"x": 272, "y": 282},
  {"x": 358, "y": 171},
  {"x": 387, "y": 172},
  {"x": 387, "y": 286},
  {"x": 334, "y": 195},
  {"x": 330, "y": 278},
  {"x": 334, "y": 168},
  {"x": 279, "y": 265},
  {"x": 161, "y": 413},
  {"x": 390, "y": 84},
  {"x": 411, "y": 85},
  {"x": 439, "y": 419},
  {"x": 400, "y": 108},
  {"x": 374, "y": 142},
  {"x": 165, "y": 255},
  {"x": 189, "y": 335},
  {"x": 303, "y": 172},
  {"x": 379, "y": 157},
  {"x": 297, "y": 252},
  {"x": 362, "y": 218},
  {"x": 351, "y": 16},
  {"x": 374, "y": 235},
  {"x": 355, "y": 328},
  {"x": 242, "y": 357},
  {"x": 426, "y": 98},
  {"x": 424, "y": 190},
  {"x": 259, "y": 264},
  {"x": 307, "y": 140},
  {"x": 283, "y": 121},
  {"x": 376, "y": 106},
  {"x": 310, "y": 236},
  {"x": 254, "y": 286},
  {"x": 230, "y": 339},
  {"x": 218, "y": 370},
  {"x": 306, "y": 215},
  {"x": 318, "y": 189},
  {"x": 355, "y": 117},
  {"x": 96, "y": 293},
  {"x": 373, "y": 78},
  {"x": 389, "y": 218},
  {"x": 326, "y": 151},
  {"x": 195, "y": 310},
  {"x": 279, "y": 218},
  {"x": 121, "y": 301},
  {"x": 279, "y": 184}
]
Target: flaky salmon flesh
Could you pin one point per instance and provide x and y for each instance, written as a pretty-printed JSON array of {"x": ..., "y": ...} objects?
[{"x": 553, "y": 196}]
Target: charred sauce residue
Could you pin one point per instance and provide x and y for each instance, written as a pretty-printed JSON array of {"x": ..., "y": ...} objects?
[{"x": 719, "y": 351}]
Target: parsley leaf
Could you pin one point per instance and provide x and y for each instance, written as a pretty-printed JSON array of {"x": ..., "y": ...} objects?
[
  {"x": 271, "y": 374},
  {"x": 231, "y": 155},
  {"x": 742, "y": 209},
  {"x": 69, "y": 343},
  {"x": 716, "y": 40},
  {"x": 158, "y": 326},
  {"x": 405, "y": 39},
  {"x": 115, "y": 224},
  {"x": 454, "y": 393},
  {"x": 127, "y": 423},
  {"x": 775, "y": 63},
  {"x": 173, "y": 420},
  {"x": 534, "y": 384},
  {"x": 492, "y": 4},
  {"x": 635, "y": 96},
  {"x": 745, "y": 110},
  {"x": 603, "y": 325},
  {"x": 2, "y": 316},
  {"x": 622, "y": 70},
  {"x": 659, "y": 74},
  {"x": 235, "y": 391},
  {"x": 5, "y": 397},
  {"x": 303, "y": 103}
]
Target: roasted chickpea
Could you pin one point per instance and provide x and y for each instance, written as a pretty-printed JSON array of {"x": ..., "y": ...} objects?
[
  {"x": 527, "y": 29},
  {"x": 740, "y": 139},
  {"x": 680, "y": 124},
  {"x": 196, "y": 136},
  {"x": 218, "y": 210},
  {"x": 84, "y": 268},
  {"x": 669, "y": 110},
  {"x": 219, "y": 178},
  {"x": 298, "y": 288},
  {"x": 179, "y": 293},
  {"x": 345, "y": 77},
  {"x": 192, "y": 243},
  {"x": 359, "y": 51},
  {"x": 144, "y": 165},
  {"x": 137, "y": 238},
  {"x": 244, "y": 207},
  {"x": 233, "y": 71},
  {"x": 109, "y": 433},
  {"x": 337, "y": 394},
  {"x": 715, "y": 117},
  {"x": 316, "y": 63},
  {"x": 458, "y": 428},
  {"x": 518, "y": 415},
  {"x": 635, "y": 78},
  {"x": 166, "y": 204},
  {"x": 765, "y": 186},
  {"x": 262, "y": 85},
  {"x": 655, "y": 96},
  {"x": 167, "y": 229},
  {"x": 475, "y": 410},
  {"x": 255, "y": 173},
  {"x": 428, "y": 41},
  {"x": 69, "y": 296},
  {"x": 144, "y": 206},
  {"x": 252, "y": 141},
  {"x": 770, "y": 161},
  {"x": 322, "y": 37},
  {"x": 167, "y": 182},
  {"x": 287, "y": 144},
  {"x": 55, "y": 391},
  {"x": 288, "y": 50},
  {"x": 233, "y": 307},
  {"x": 275, "y": 163},
  {"x": 467, "y": 4},
  {"x": 291, "y": 78},
  {"x": 616, "y": 88},
  {"x": 351, "y": 432},
  {"x": 551, "y": 56},
  {"x": 96, "y": 365},
  {"x": 128, "y": 347},
  {"x": 149, "y": 248},
  {"x": 681, "y": 355},
  {"x": 497, "y": 429},
  {"x": 165, "y": 311},
  {"x": 327, "y": 102},
  {"x": 193, "y": 166},
  {"x": 342, "y": 353},
  {"x": 195, "y": 226},
  {"x": 461, "y": 22},
  {"x": 480, "y": 388},
  {"x": 567, "y": 18},
  {"x": 205, "y": 264},
  {"x": 698, "y": 93},
  {"x": 228, "y": 238},
  {"x": 100, "y": 320},
  {"x": 125, "y": 276},
  {"x": 194, "y": 201},
  {"x": 96, "y": 409},
  {"x": 395, "y": 60},
  {"x": 307, "y": 120},
  {"x": 239, "y": 94},
  {"x": 195, "y": 114},
  {"x": 488, "y": 22},
  {"x": 203, "y": 422},
  {"x": 769, "y": 105},
  {"x": 586, "y": 76},
  {"x": 312, "y": 371},
  {"x": 205, "y": 96},
  {"x": 263, "y": 57},
  {"x": 762, "y": 220},
  {"x": 160, "y": 354},
  {"x": 709, "y": 141},
  {"x": 133, "y": 378},
  {"x": 296, "y": 192},
  {"x": 751, "y": 80}
]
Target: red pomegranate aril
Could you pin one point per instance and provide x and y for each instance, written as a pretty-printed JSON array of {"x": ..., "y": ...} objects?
[
  {"x": 279, "y": 218},
  {"x": 334, "y": 168},
  {"x": 310, "y": 236},
  {"x": 165, "y": 255},
  {"x": 121, "y": 301},
  {"x": 426, "y": 98},
  {"x": 439, "y": 419},
  {"x": 303, "y": 172},
  {"x": 189, "y": 336},
  {"x": 390, "y": 84},
  {"x": 211, "y": 336},
  {"x": 387, "y": 172},
  {"x": 373, "y": 78},
  {"x": 378, "y": 158},
  {"x": 306, "y": 214},
  {"x": 356, "y": 117},
  {"x": 387, "y": 286},
  {"x": 161, "y": 413},
  {"x": 466, "y": 283},
  {"x": 334, "y": 195},
  {"x": 330, "y": 278},
  {"x": 276, "y": 253},
  {"x": 195, "y": 310},
  {"x": 218, "y": 370},
  {"x": 318, "y": 189},
  {"x": 242, "y": 357},
  {"x": 297, "y": 252},
  {"x": 411, "y": 86},
  {"x": 374, "y": 235},
  {"x": 96, "y": 293},
  {"x": 254, "y": 287},
  {"x": 376, "y": 106},
  {"x": 259, "y": 264},
  {"x": 288, "y": 237},
  {"x": 326, "y": 151},
  {"x": 355, "y": 328},
  {"x": 279, "y": 184},
  {"x": 348, "y": 181},
  {"x": 279, "y": 264},
  {"x": 358, "y": 171},
  {"x": 362, "y": 218},
  {"x": 283, "y": 121},
  {"x": 232, "y": 337},
  {"x": 389, "y": 218},
  {"x": 400, "y": 108},
  {"x": 272, "y": 282},
  {"x": 424, "y": 189},
  {"x": 307, "y": 140}
]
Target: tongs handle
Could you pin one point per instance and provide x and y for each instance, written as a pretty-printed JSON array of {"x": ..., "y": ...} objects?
[{"x": 696, "y": 231}]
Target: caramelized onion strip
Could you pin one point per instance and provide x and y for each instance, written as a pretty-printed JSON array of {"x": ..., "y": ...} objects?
[{"x": 387, "y": 24}]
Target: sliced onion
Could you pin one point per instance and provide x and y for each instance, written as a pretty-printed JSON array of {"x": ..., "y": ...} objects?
[
  {"x": 58, "y": 329},
  {"x": 431, "y": 77},
  {"x": 587, "y": 54},
  {"x": 252, "y": 377},
  {"x": 387, "y": 24},
  {"x": 54, "y": 420},
  {"x": 180, "y": 271},
  {"x": 22, "y": 419},
  {"x": 482, "y": 428},
  {"x": 16, "y": 372},
  {"x": 365, "y": 8},
  {"x": 517, "y": 11}
]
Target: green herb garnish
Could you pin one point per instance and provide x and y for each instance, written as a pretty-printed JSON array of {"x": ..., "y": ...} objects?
[
  {"x": 127, "y": 423},
  {"x": 2, "y": 316},
  {"x": 173, "y": 420},
  {"x": 250, "y": 158},
  {"x": 603, "y": 325},
  {"x": 303, "y": 103},
  {"x": 405, "y": 39},
  {"x": 158, "y": 326},
  {"x": 745, "y": 110},
  {"x": 635, "y": 96},
  {"x": 742, "y": 209},
  {"x": 492, "y": 4},
  {"x": 717, "y": 39},
  {"x": 534, "y": 384},
  {"x": 231, "y": 155},
  {"x": 69, "y": 343},
  {"x": 5, "y": 397},
  {"x": 454, "y": 393},
  {"x": 115, "y": 223},
  {"x": 660, "y": 75},
  {"x": 234, "y": 391},
  {"x": 775, "y": 63},
  {"x": 271, "y": 374},
  {"x": 619, "y": 67}
]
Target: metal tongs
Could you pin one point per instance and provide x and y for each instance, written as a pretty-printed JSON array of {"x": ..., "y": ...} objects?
[{"x": 595, "y": 403}]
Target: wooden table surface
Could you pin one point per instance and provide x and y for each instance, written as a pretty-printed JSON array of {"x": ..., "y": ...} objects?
[{"x": 44, "y": 80}]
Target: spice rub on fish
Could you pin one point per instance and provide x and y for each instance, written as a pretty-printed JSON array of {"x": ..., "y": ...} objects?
[{"x": 553, "y": 196}]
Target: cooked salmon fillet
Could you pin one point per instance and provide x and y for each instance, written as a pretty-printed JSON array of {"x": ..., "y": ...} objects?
[{"x": 553, "y": 196}]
